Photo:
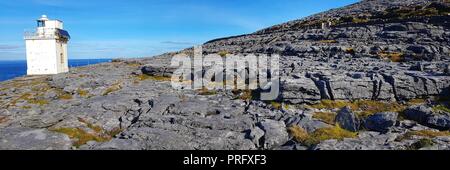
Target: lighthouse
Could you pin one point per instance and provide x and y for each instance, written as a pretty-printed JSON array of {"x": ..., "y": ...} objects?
[{"x": 46, "y": 48}]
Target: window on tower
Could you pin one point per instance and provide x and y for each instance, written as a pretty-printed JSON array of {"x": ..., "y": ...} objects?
[
  {"x": 41, "y": 23},
  {"x": 62, "y": 58}
]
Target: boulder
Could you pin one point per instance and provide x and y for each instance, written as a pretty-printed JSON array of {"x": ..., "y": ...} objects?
[
  {"x": 348, "y": 120},
  {"x": 441, "y": 122},
  {"x": 381, "y": 122},
  {"x": 418, "y": 113},
  {"x": 275, "y": 133}
]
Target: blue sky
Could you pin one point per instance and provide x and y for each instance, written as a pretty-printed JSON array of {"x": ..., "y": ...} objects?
[{"x": 142, "y": 28}]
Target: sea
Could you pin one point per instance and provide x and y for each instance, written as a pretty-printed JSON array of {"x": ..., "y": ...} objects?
[{"x": 17, "y": 68}]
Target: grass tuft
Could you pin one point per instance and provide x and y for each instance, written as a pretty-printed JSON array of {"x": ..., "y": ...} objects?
[
  {"x": 441, "y": 108},
  {"x": 327, "y": 117},
  {"x": 205, "y": 92},
  {"x": 82, "y": 93},
  {"x": 363, "y": 108},
  {"x": 392, "y": 56},
  {"x": 422, "y": 133},
  {"x": 223, "y": 53},
  {"x": 81, "y": 136},
  {"x": 335, "y": 132},
  {"x": 112, "y": 88}
]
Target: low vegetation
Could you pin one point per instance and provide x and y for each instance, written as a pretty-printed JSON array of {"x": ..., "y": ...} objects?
[
  {"x": 363, "y": 108},
  {"x": 327, "y": 117},
  {"x": 422, "y": 133},
  {"x": 112, "y": 88},
  {"x": 223, "y": 53},
  {"x": 65, "y": 96},
  {"x": 81, "y": 136},
  {"x": 206, "y": 92},
  {"x": 96, "y": 128},
  {"x": 350, "y": 51},
  {"x": 29, "y": 98},
  {"x": 142, "y": 77},
  {"x": 441, "y": 108},
  {"x": 335, "y": 132},
  {"x": 328, "y": 41},
  {"x": 392, "y": 56},
  {"x": 244, "y": 94},
  {"x": 422, "y": 143},
  {"x": 276, "y": 105},
  {"x": 83, "y": 93},
  {"x": 3, "y": 119}
]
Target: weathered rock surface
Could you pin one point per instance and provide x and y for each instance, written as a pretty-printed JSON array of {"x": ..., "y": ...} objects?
[
  {"x": 381, "y": 122},
  {"x": 33, "y": 139},
  {"x": 426, "y": 116},
  {"x": 348, "y": 119},
  {"x": 366, "y": 53}
]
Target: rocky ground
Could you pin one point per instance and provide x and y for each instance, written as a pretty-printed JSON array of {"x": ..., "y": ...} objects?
[{"x": 377, "y": 77}]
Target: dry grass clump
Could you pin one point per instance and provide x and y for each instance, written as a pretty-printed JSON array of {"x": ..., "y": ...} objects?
[
  {"x": 244, "y": 94},
  {"x": 363, "y": 108},
  {"x": 392, "y": 56},
  {"x": 81, "y": 136},
  {"x": 83, "y": 93},
  {"x": 206, "y": 92},
  {"x": 328, "y": 41},
  {"x": 327, "y": 117},
  {"x": 441, "y": 108},
  {"x": 349, "y": 51},
  {"x": 422, "y": 133},
  {"x": 223, "y": 53},
  {"x": 335, "y": 132},
  {"x": 112, "y": 88},
  {"x": 3, "y": 119}
]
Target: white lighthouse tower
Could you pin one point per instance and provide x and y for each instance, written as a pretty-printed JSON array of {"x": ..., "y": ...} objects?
[{"x": 47, "y": 48}]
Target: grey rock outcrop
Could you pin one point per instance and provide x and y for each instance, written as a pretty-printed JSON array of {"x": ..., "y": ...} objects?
[
  {"x": 381, "y": 122},
  {"x": 33, "y": 139},
  {"x": 365, "y": 53},
  {"x": 348, "y": 119},
  {"x": 275, "y": 133}
]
